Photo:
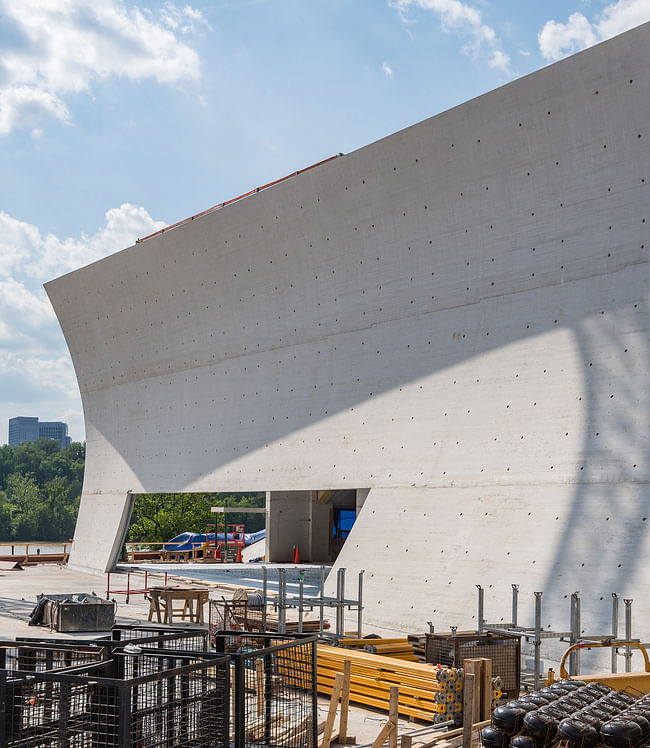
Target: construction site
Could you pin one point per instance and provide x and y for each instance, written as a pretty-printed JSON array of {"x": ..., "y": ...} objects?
[{"x": 431, "y": 354}]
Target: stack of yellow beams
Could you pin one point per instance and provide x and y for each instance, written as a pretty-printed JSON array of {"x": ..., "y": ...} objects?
[
  {"x": 421, "y": 694},
  {"x": 401, "y": 649}
]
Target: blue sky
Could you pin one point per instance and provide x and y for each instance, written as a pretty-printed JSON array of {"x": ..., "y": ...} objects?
[{"x": 117, "y": 118}]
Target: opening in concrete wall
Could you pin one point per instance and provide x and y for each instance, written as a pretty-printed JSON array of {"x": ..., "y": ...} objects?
[
  {"x": 310, "y": 525},
  {"x": 184, "y": 527}
]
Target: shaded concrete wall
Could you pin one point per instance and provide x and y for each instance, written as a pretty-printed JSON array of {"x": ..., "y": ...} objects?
[
  {"x": 455, "y": 317},
  {"x": 289, "y": 524}
]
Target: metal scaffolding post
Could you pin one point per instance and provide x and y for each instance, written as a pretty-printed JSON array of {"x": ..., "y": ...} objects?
[
  {"x": 515, "y": 603},
  {"x": 538, "y": 638},
  {"x": 340, "y": 597},
  {"x": 282, "y": 601},
  {"x": 480, "y": 616},
  {"x": 265, "y": 583},
  {"x": 322, "y": 596},
  {"x": 574, "y": 657},
  {"x": 360, "y": 610},
  {"x": 301, "y": 597},
  {"x": 614, "y": 631},
  {"x": 628, "y": 633}
]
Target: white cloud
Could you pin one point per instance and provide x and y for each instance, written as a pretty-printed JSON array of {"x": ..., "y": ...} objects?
[
  {"x": 557, "y": 40},
  {"x": 499, "y": 60},
  {"x": 17, "y": 242},
  {"x": 27, "y": 321},
  {"x": 54, "y": 256},
  {"x": 31, "y": 307},
  {"x": 24, "y": 106},
  {"x": 459, "y": 16},
  {"x": 186, "y": 20},
  {"x": 51, "y": 377},
  {"x": 61, "y": 47},
  {"x": 388, "y": 70},
  {"x": 36, "y": 373}
]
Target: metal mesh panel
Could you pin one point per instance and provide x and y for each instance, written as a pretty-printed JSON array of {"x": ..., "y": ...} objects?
[
  {"x": 42, "y": 656},
  {"x": 188, "y": 639},
  {"x": 502, "y": 649},
  {"x": 273, "y": 688},
  {"x": 156, "y": 636},
  {"x": 234, "y": 615},
  {"x": 157, "y": 700}
]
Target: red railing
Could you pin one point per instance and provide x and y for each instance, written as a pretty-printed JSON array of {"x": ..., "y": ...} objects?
[
  {"x": 129, "y": 590},
  {"x": 235, "y": 199}
]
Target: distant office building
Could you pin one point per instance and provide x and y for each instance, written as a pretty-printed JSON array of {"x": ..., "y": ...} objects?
[
  {"x": 29, "y": 429},
  {"x": 22, "y": 429},
  {"x": 57, "y": 430}
]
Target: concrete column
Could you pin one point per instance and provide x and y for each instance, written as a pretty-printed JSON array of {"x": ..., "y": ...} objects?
[
  {"x": 362, "y": 495},
  {"x": 288, "y": 521},
  {"x": 321, "y": 531}
]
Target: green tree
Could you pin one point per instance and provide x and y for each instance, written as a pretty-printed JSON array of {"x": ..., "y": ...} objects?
[
  {"x": 22, "y": 492},
  {"x": 6, "y": 526},
  {"x": 57, "y": 510},
  {"x": 159, "y": 517},
  {"x": 40, "y": 488}
]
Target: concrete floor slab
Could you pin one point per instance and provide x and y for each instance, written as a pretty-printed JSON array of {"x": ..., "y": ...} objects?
[{"x": 19, "y": 591}]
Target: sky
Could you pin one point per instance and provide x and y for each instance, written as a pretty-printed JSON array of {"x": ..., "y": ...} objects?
[{"x": 118, "y": 118}]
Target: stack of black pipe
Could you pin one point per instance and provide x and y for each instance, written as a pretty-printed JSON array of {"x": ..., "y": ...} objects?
[{"x": 578, "y": 714}]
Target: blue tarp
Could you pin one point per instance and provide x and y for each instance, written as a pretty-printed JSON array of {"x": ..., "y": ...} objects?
[{"x": 188, "y": 540}]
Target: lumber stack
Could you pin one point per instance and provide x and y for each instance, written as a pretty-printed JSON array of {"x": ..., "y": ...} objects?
[
  {"x": 418, "y": 642},
  {"x": 425, "y": 692},
  {"x": 309, "y": 626},
  {"x": 401, "y": 649}
]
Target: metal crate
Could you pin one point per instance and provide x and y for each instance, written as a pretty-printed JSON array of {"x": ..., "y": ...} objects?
[
  {"x": 503, "y": 649},
  {"x": 76, "y": 612},
  {"x": 274, "y": 700},
  {"x": 150, "y": 698}
]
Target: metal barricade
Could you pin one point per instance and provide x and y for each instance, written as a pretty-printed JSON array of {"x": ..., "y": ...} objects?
[
  {"x": 149, "y": 697},
  {"x": 274, "y": 701}
]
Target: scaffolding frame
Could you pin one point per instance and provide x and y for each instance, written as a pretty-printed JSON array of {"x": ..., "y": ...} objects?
[{"x": 574, "y": 635}]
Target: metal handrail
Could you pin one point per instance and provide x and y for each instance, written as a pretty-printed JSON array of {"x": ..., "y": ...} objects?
[{"x": 605, "y": 643}]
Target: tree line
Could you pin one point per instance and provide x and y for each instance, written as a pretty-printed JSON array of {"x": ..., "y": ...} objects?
[
  {"x": 158, "y": 517},
  {"x": 40, "y": 489}
]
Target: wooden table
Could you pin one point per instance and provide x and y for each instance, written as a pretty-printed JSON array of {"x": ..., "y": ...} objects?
[{"x": 194, "y": 599}]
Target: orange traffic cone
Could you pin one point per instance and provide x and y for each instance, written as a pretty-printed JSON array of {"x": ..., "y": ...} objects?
[
  {"x": 296, "y": 555},
  {"x": 217, "y": 553},
  {"x": 240, "y": 560}
]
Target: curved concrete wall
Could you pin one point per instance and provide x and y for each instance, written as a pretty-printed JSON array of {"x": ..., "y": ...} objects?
[{"x": 455, "y": 316}]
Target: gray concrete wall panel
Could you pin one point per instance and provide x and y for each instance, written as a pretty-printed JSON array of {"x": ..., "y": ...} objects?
[{"x": 455, "y": 317}]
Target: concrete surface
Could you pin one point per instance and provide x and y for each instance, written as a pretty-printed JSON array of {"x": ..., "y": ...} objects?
[
  {"x": 19, "y": 590},
  {"x": 455, "y": 317}
]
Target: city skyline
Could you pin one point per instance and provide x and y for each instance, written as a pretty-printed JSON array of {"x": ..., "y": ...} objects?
[{"x": 30, "y": 429}]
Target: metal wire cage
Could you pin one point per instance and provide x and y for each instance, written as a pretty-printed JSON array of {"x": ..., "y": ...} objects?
[
  {"x": 274, "y": 700},
  {"x": 503, "y": 649},
  {"x": 152, "y": 699},
  {"x": 235, "y": 615}
]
